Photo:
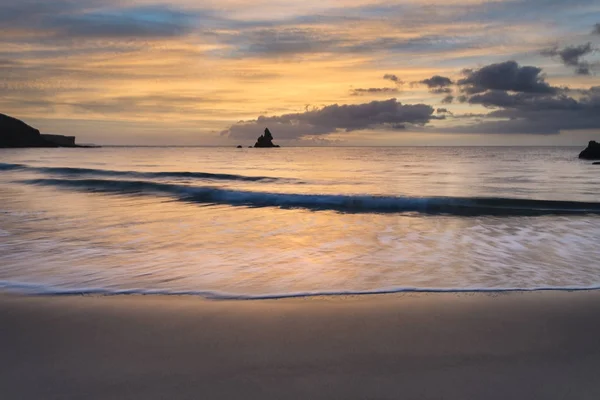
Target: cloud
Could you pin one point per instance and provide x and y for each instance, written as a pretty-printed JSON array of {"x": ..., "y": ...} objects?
[
  {"x": 596, "y": 30},
  {"x": 26, "y": 11},
  {"x": 437, "y": 81},
  {"x": 443, "y": 111},
  {"x": 448, "y": 99},
  {"x": 571, "y": 56},
  {"x": 277, "y": 41},
  {"x": 393, "y": 78},
  {"x": 139, "y": 22},
  {"x": 386, "y": 114},
  {"x": 523, "y": 102},
  {"x": 151, "y": 104},
  {"x": 508, "y": 76},
  {"x": 437, "y": 84},
  {"x": 70, "y": 20},
  {"x": 384, "y": 90}
]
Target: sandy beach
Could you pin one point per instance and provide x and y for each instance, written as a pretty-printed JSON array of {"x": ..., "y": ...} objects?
[{"x": 437, "y": 346}]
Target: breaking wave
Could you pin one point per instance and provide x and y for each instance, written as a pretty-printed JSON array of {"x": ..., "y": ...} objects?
[
  {"x": 467, "y": 206},
  {"x": 136, "y": 174}
]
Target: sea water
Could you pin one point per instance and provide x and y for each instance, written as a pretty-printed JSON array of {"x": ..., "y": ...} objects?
[{"x": 247, "y": 223}]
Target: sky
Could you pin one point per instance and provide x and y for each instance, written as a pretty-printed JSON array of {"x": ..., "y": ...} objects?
[{"x": 343, "y": 72}]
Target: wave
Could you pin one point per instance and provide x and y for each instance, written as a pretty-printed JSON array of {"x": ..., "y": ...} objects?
[
  {"x": 467, "y": 206},
  {"x": 137, "y": 174},
  {"x": 9, "y": 167},
  {"x": 48, "y": 290}
]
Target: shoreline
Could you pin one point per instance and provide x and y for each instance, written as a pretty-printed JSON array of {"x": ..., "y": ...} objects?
[
  {"x": 10, "y": 288},
  {"x": 408, "y": 345}
]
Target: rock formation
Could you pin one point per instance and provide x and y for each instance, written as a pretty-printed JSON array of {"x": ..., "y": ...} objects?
[
  {"x": 61, "y": 140},
  {"x": 16, "y": 133},
  {"x": 592, "y": 152},
  {"x": 265, "y": 140}
]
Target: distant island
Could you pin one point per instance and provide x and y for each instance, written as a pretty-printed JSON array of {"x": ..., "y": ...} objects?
[
  {"x": 265, "y": 140},
  {"x": 15, "y": 133}
]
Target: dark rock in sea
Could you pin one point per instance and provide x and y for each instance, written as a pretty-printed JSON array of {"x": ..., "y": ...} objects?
[
  {"x": 239, "y": 146},
  {"x": 265, "y": 140},
  {"x": 596, "y": 163},
  {"x": 592, "y": 152},
  {"x": 16, "y": 133}
]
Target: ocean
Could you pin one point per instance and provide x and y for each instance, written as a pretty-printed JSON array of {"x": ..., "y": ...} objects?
[{"x": 266, "y": 223}]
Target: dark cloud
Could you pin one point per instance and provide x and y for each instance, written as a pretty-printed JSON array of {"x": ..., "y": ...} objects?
[
  {"x": 437, "y": 84},
  {"x": 385, "y": 90},
  {"x": 443, "y": 111},
  {"x": 523, "y": 102},
  {"x": 393, "y": 78},
  {"x": 508, "y": 76},
  {"x": 571, "y": 56},
  {"x": 437, "y": 81},
  {"x": 387, "y": 114},
  {"x": 448, "y": 99}
]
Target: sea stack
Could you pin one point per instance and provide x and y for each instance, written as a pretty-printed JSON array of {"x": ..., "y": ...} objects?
[
  {"x": 592, "y": 152},
  {"x": 265, "y": 140}
]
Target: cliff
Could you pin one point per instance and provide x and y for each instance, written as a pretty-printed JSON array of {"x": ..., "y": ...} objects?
[{"x": 16, "y": 133}]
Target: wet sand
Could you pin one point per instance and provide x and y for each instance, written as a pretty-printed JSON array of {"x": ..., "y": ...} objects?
[{"x": 542, "y": 345}]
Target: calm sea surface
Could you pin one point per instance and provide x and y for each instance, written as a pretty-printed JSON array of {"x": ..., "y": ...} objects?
[{"x": 252, "y": 222}]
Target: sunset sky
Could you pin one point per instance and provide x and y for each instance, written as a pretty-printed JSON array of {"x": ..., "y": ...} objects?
[{"x": 345, "y": 72}]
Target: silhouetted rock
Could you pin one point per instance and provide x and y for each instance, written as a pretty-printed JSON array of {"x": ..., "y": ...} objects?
[
  {"x": 239, "y": 146},
  {"x": 592, "y": 152},
  {"x": 596, "y": 163},
  {"x": 61, "y": 140},
  {"x": 16, "y": 133},
  {"x": 265, "y": 140}
]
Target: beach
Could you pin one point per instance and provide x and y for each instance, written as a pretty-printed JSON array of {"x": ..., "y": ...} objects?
[{"x": 409, "y": 346}]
